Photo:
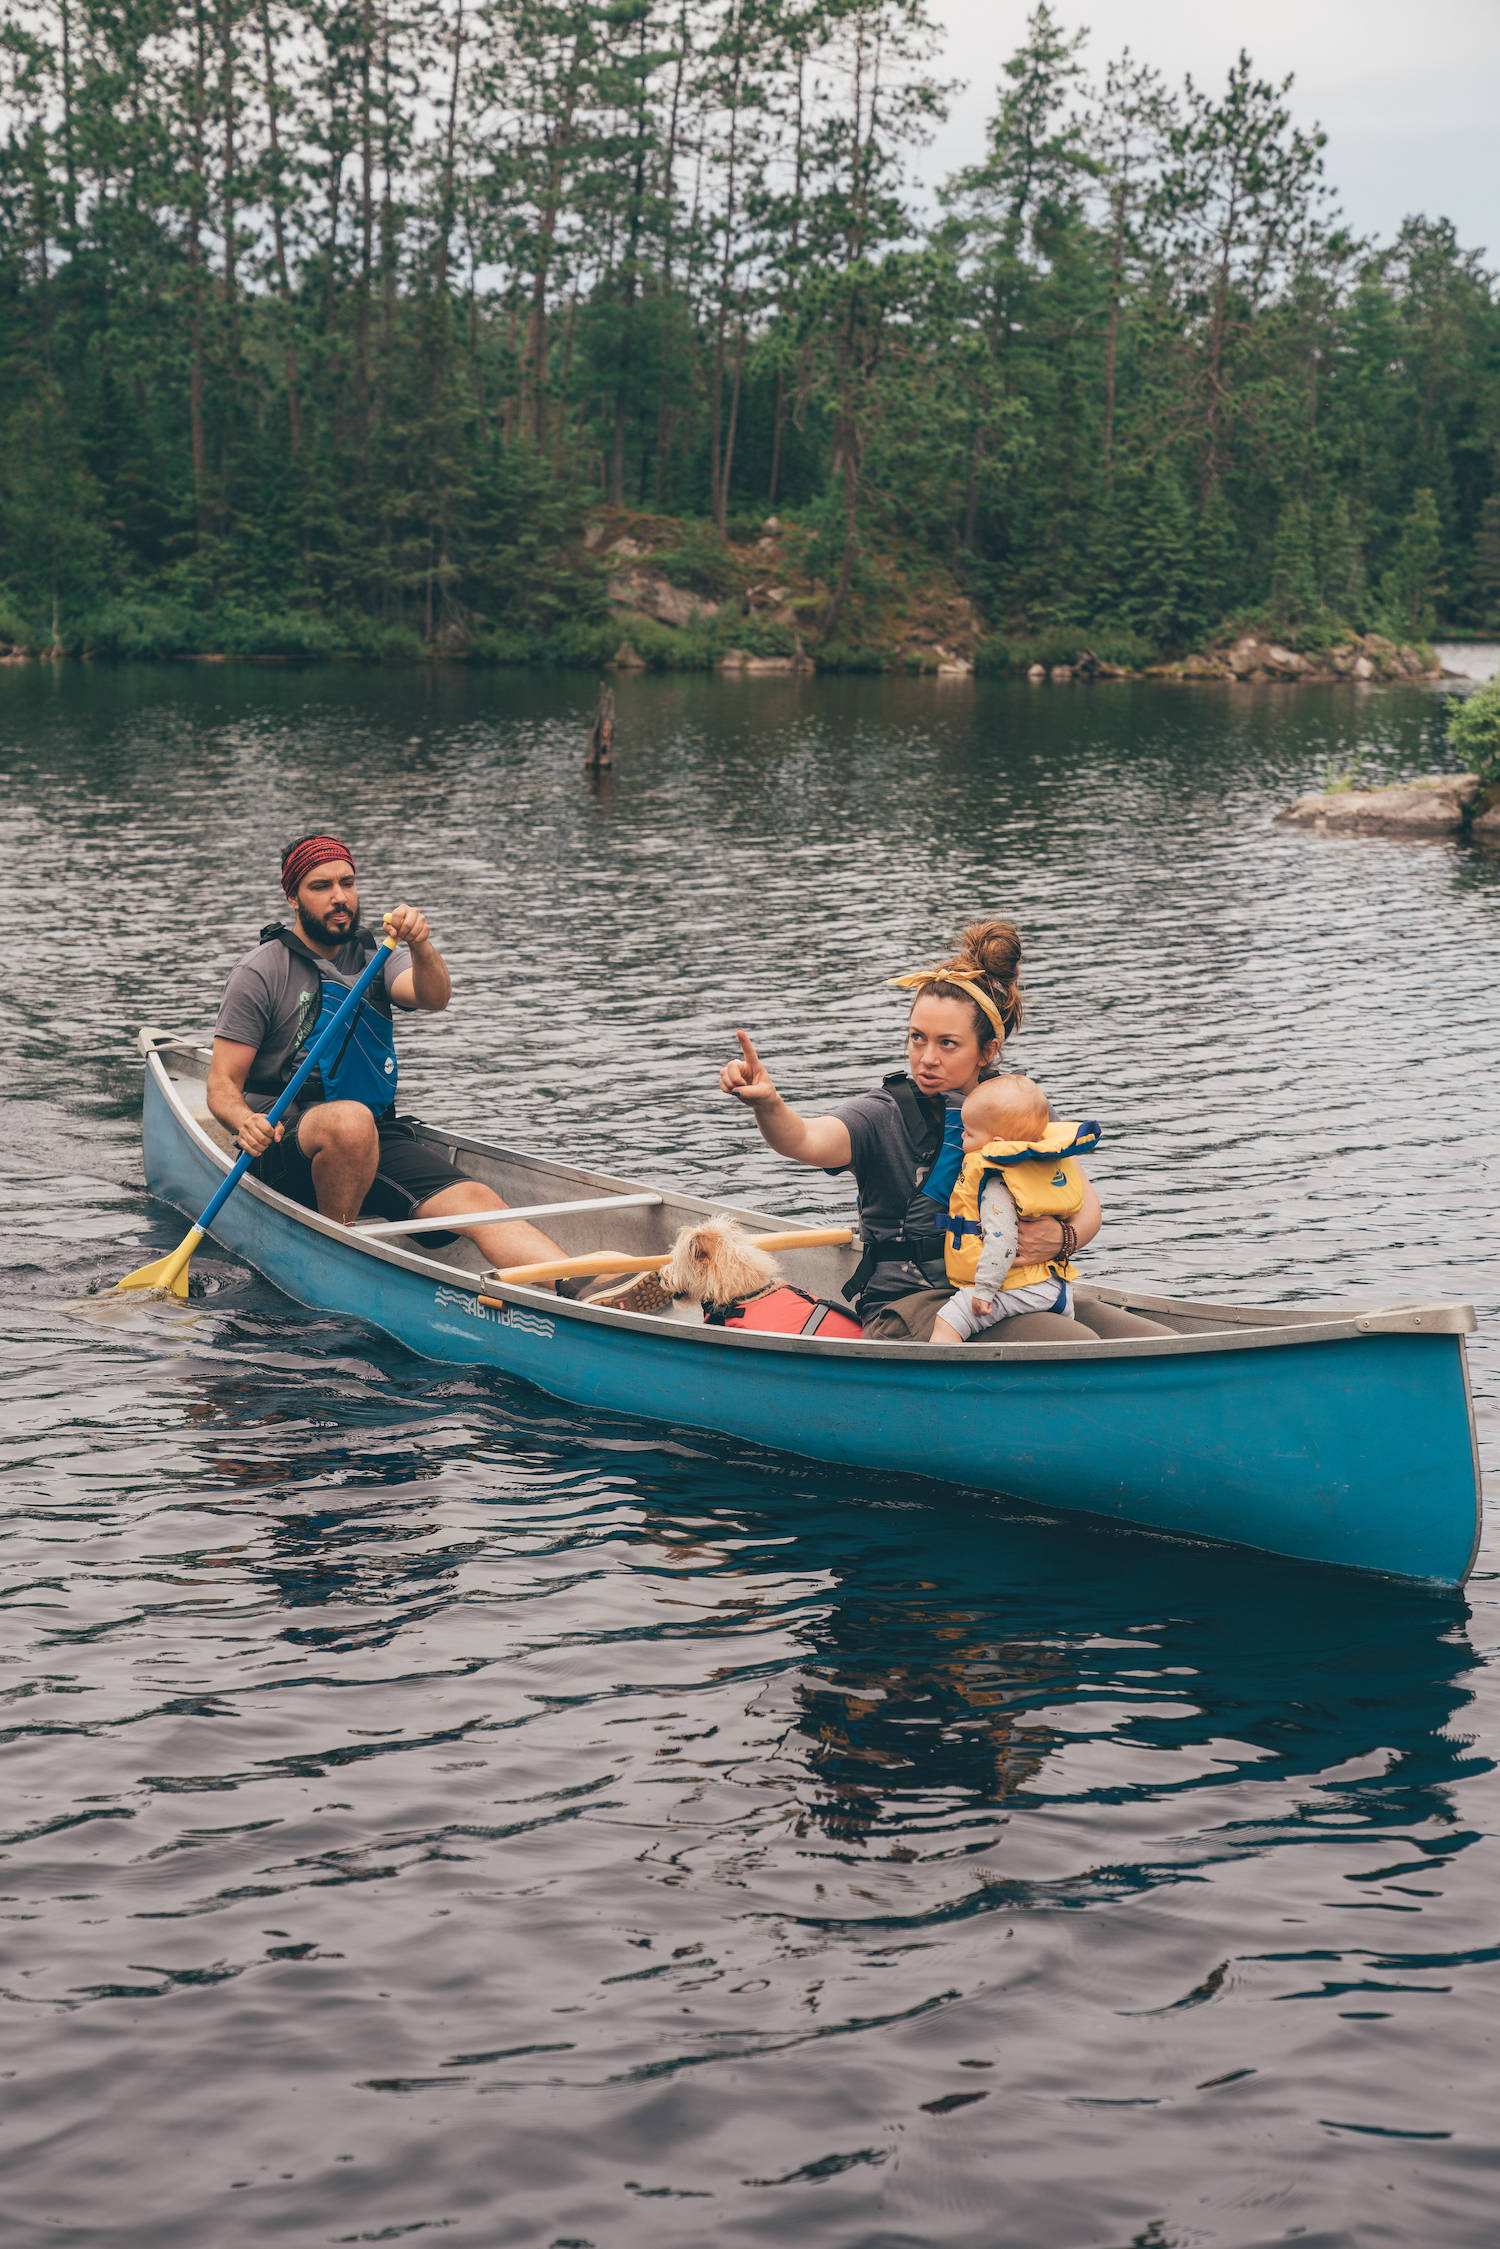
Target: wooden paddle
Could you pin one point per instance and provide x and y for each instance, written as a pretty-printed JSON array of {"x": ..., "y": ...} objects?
[
  {"x": 619, "y": 1261},
  {"x": 171, "y": 1272}
]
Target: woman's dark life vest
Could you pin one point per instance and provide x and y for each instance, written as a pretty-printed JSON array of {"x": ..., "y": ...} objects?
[
  {"x": 925, "y": 1117},
  {"x": 363, "y": 1065},
  {"x": 785, "y": 1311}
]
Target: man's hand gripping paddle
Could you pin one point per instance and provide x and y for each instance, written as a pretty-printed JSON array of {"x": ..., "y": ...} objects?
[{"x": 171, "y": 1272}]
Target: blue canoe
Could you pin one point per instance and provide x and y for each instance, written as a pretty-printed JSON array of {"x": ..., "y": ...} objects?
[{"x": 1335, "y": 1435}]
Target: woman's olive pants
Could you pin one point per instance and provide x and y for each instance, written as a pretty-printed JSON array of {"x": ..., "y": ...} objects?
[{"x": 908, "y": 1319}]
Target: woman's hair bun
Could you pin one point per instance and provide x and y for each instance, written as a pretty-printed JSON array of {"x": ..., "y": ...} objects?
[{"x": 990, "y": 951}]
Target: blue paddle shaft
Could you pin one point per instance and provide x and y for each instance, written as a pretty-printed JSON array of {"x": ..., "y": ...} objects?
[{"x": 283, "y": 1101}]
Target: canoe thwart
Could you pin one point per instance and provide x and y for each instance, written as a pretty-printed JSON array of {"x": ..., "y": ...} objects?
[
  {"x": 455, "y": 1220},
  {"x": 601, "y": 1261}
]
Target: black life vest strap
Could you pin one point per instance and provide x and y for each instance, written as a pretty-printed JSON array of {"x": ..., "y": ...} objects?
[
  {"x": 922, "y": 1114},
  {"x": 924, "y": 1119},
  {"x": 893, "y": 1249},
  {"x": 719, "y": 1315}
]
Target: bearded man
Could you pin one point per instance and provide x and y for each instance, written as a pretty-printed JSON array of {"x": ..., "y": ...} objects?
[{"x": 341, "y": 1149}]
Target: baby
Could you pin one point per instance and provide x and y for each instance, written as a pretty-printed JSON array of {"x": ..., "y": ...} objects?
[{"x": 1006, "y": 1119}]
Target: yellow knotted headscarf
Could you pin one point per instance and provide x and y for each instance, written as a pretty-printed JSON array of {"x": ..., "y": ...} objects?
[{"x": 918, "y": 977}]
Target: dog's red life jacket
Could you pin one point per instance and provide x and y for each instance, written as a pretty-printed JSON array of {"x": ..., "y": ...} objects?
[{"x": 786, "y": 1311}]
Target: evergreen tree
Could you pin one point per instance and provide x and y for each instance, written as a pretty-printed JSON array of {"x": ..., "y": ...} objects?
[
  {"x": 1164, "y": 596},
  {"x": 1221, "y": 556},
  {"x": 314, "y": 314},
  {"x": 1413, "y": 581},
  {"x": 1340, "y": 564},
  {"x": 1484, "y": 573},
  {"x": 1294, "y": 578}
]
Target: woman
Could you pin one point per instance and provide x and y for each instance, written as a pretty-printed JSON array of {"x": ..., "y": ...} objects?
[{"x": 890, "y": 1140}]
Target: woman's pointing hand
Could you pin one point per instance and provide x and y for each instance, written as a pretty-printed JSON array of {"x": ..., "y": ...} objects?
[{"x": 748, "y": 1078}]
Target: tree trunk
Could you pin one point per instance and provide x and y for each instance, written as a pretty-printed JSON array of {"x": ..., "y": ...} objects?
[
  {"x": 1217, "y": 328},
  {"x": 366, "y": 232},
  {"x": 197, "y": 200},
  {"x": 70, "y": 195},
  {"x": 278, "y": 229},
  {"x": 387, "y": 230},
  {"x": 627, "y": 339},
  {"x": 669, "y": 205},
  {"x": 1111, "y": 344},
  {"x": 559, "y": 140},
  {"x": 734, "y": 416},
  {"x": 716, "y": 477},
  {"x": 845, "y": 444},
  {"x": 778, "y": 419}
]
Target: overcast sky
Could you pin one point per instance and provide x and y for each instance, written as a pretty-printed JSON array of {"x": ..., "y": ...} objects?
[{"x": 1409, "y": 96}]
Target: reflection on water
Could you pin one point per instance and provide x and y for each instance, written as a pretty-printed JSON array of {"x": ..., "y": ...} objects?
[
  {"x": 1469, "y": 659},
  {"x": 443, "y": 1811}
]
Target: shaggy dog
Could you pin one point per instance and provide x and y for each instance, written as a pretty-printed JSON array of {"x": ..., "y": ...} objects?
[{"x": 716, "y": 1262}]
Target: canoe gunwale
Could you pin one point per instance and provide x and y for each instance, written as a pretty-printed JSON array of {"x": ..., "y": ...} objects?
[
  {"x": 1243, "y": 1327},
  {"x": 1317, "y": 1460}
]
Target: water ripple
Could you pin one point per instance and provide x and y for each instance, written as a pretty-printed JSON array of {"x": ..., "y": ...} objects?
[{"x": 429, "y": 1809}]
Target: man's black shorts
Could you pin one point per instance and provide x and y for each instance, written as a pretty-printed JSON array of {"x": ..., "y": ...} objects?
[{"x": 408, "y": 1172}]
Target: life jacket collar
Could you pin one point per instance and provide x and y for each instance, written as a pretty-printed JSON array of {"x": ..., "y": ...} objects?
[{"x": 1043, "y": 1179}]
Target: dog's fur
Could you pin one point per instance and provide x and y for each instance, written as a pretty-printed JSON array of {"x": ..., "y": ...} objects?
[{"x": 716, "y": 1262}]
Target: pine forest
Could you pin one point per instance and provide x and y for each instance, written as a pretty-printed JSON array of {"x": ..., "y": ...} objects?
[{"x": 396, "y": 326}]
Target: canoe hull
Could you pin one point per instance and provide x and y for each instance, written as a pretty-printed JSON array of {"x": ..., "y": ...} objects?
[{"x": 1355, "y": 1451}]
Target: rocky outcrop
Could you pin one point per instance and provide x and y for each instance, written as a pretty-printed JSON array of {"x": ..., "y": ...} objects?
[
  {"x": 740, "y": 660},
  {"x": 1368, "y": 656},
  {"x": 647, "y": 593},
  {"x": 1438, "y": 804}
]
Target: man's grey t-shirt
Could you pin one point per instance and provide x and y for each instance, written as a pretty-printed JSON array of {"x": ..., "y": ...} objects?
[{"x": 272, "y": 1000}]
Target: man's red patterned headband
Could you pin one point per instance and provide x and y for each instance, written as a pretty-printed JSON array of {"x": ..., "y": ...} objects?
[{"x": 311, "y": 852}]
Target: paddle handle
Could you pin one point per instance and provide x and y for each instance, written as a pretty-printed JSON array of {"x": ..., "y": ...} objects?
[
  {"x": 309, "y": 1063},
  {"x": 620, "y": 1261}
]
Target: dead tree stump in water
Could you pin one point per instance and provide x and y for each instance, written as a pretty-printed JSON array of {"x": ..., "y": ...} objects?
[{"x": 600, "y": 754}]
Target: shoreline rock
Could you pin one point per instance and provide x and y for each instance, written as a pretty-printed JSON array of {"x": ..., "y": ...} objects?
[
  {"x": 1366, "y": 658},
  {"x": 1435, "y": 804}
]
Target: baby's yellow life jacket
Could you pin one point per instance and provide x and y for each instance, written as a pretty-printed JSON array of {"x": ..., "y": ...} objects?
[{"x": 1044, "y": 1182}]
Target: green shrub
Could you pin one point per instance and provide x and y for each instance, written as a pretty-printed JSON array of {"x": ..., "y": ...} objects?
[
  {"x": 763, "y": 636},
  {"x": 840, "y": 656},
  {"x": 1474, "y": 731},
  {"x": 1064, "y": 644},
  {"x": 295, "y": 633},
  {"x": 671, "y": 648},
  {"x": 503, "y": 648},
  {"x": 125, "y": 631},
  {"x": 583, "y": 645},
  {"x": 16, "y": 632},
  {"x": 700, "y": 563}
]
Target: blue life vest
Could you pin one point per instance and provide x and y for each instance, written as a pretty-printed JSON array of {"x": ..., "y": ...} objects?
[
  {"x": 943, "y": 1177},
  {"x": 362, "y": 1066}
]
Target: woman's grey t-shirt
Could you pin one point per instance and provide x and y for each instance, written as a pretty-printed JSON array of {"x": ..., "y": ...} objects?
[
  {"x": 888, "y": 1169},
  {"x": 887, "y": 1166},
  {"x": 272, "y": 1000}
]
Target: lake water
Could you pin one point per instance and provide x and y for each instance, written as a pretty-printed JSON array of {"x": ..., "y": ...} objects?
[{"x": 431, "y": 1810}]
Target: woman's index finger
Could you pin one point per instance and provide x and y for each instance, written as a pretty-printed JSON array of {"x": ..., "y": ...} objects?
[{"x": 747, "y": 1048}]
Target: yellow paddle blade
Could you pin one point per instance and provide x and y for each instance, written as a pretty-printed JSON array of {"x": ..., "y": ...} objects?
[{"x": 169, "y": 1273}]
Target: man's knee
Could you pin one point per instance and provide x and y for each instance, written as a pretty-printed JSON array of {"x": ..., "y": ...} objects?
[
  {"x": 464, "y": 1194},
  {"x": 342, "y": 1128}
]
